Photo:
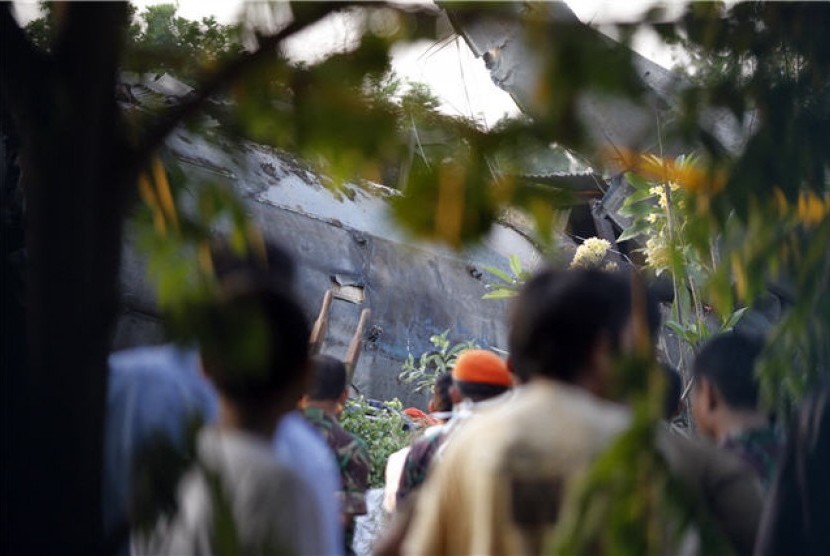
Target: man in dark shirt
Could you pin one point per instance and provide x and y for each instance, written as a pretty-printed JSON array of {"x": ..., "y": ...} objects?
[
  {"x": 322, "y": 407},
  {"x": 725, "y": 403}
]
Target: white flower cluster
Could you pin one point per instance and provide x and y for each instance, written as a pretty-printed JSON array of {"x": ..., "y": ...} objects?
[
  {"x": 657, "y": 254},
  {"x": 590, "y": 253}
]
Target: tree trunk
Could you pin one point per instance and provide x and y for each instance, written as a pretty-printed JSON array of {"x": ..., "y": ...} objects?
[{"x": 73, "y": 163}]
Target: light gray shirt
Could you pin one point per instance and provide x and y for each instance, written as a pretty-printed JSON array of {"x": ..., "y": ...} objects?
[{"x": 259, "y": 504}]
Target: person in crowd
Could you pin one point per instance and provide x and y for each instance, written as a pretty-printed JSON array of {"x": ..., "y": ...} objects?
[
  {"x": 440, "y": 405},
  {"x": 478, "y": 376},
  {"x": 237, "y": 495},
  {"x": 155, "y": 391},
  {"x": 499, "y": 486},
  {"x": 795, "y": 518},
  {"x": 440, "y": 410},
  {"x": 322, "y": 407},
  {"x": 725, "y": 403}
]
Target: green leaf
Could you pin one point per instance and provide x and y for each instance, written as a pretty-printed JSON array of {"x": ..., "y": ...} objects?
[
  {"x": 515, "y": 265},
  {"x": 733, "y": 319},
  {"x": 637, "y": 182},
  {"x": 637, "y": 229},
  {"x": 498, "y": 273},
  {"x": 502, "y": 293}
]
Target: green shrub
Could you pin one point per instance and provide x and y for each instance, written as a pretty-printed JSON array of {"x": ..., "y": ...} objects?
[{"x": 384, "y": 430}]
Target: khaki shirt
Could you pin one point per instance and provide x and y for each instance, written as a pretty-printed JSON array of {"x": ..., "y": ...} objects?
[
  {"x": 472, "y": 502},
  {"x": 500, "y": 484}
]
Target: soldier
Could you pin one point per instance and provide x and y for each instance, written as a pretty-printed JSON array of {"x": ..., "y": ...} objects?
[{"x": 322, "y": 407}]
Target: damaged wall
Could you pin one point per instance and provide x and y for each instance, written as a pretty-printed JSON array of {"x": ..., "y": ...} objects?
[{"x": 414, "y": 289}]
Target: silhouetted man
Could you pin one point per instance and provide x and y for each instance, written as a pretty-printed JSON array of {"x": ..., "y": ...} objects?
[
  {"x": 725, "y": 403},
  {"x": 322, "y": 407}
]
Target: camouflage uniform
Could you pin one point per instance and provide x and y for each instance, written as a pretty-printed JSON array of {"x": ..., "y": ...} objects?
[
  {"x": 417, "y": 464},
  {"x": 352, "y": 460},
  {"x": 760, "y": 449}
]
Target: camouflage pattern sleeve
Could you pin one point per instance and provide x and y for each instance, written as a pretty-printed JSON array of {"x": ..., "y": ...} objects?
[
  {"x": 354, "y": 459},
  {"x": 417, "y": 465}
]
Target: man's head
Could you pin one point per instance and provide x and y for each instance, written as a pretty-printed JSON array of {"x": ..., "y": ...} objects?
[
  {"x": 253, "y": 344},
  {"x": 478, "y": 375},
  {"x": 329, "y": 380},
  {"x": 567, "y": 325},
  {"x": 725, "y": 385},
  {"x": 441, "y": 401}
]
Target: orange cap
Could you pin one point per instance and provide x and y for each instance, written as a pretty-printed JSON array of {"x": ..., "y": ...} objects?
[{"x": 482, "y": 367}]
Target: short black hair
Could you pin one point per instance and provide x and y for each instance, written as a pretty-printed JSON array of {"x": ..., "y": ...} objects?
[
  {"x": 254, "y": 343},
  {"x": 477, "y": 391},
  {"x": 442, "y": 393},
  {"x": 329, "y": 378},
  {"x": 560, "y": 315},
  {"x": 728, "y": 362}
]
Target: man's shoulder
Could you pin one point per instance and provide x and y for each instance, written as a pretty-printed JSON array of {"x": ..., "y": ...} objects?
[
  {"x": 349, "y": 442},
  {"x": 244, "y": 461},
  {"x": 300, "y": 445},
  {"x": 699, "y": 462},
  {"x": 153, "y": 358}
]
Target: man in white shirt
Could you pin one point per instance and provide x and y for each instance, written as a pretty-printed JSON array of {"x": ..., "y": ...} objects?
[{"x": 238, "y": 498}]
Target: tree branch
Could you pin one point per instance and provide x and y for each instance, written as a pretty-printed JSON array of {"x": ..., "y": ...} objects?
[{"x": 220, "y": 79}]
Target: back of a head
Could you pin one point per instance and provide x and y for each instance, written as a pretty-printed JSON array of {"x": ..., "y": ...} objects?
[
  {"x": 253, "y": 344},
  {"x": 443, "y": 401},
  {"x": 559, "y": 316},
  {"x": 480, "y": 374},
  {"x": 728, "y": 362},
  {"x": 329, "y": 378}
]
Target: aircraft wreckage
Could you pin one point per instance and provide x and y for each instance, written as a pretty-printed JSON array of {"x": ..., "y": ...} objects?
[{"x": 346, "y": 243}]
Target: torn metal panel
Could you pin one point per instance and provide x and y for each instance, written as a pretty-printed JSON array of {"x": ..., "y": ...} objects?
[{"x": 497, "y": 36}]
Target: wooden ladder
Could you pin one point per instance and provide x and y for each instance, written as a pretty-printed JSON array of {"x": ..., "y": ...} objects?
[{"x": 321, "y": 326}]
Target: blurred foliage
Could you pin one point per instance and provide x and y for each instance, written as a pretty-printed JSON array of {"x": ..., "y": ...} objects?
[
  {"x": 157, "y": 469},
  {"x": 629, "y": 502},
  {"x": 754, "y": 218},
  {"x": 174, "y": 227},
  {"x": 661, "y": 216},
  {"x": 431, "y": 364},
  {"x": 781, "y": 246},
  {"x": 763, "y": 211},
  {"x": 157, "y": 40},
  {"x": 383, "y": 429}
]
